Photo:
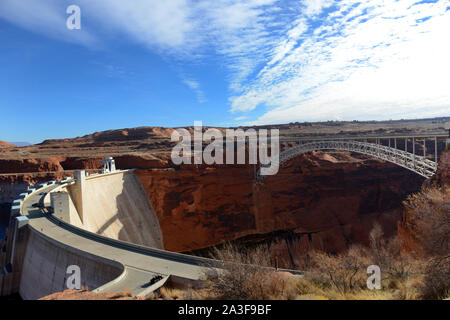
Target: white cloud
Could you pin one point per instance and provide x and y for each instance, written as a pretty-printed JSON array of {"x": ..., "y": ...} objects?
[
  {"x": 236, "y": 30},
  {"x": 46, "y": 17},
  {"x": 154, "y": 23},
  {"x": 375, "y": 63},
  {"x": 161, "y": 25},
  {"x": 314, "y": 7},
  {"x": 366, "y": 59}
]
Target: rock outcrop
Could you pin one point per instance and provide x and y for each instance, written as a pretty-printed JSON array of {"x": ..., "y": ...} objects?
[
  {"x": 442, "y": 177},
  {"x": 31, "y": 165},
  {"x": 4, "y": 144}
]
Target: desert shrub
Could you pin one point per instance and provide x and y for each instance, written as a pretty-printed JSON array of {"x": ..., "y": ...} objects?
[
  {"x": 386, "y": 253},
  {"x": 344, "y": 275},
  {"x": 428, "y": 217},
  {"x": 428, "y": 221},
  {"x": 247, "y": 275},
  {"x": 436, "y": 283},
  {"x": 344, "y": 272}
]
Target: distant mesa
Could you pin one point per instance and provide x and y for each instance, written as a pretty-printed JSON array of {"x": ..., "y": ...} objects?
[{"x": 4, "y": 144}]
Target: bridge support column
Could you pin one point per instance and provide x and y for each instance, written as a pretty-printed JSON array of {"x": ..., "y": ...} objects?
[
  {"x": 447, "y": 142},
  {"x": 435, "y": 150},
  {"x": 424, "y": 147}
]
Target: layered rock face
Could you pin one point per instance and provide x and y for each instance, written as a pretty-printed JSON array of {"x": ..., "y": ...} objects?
[{"x": 319, "y": 200}]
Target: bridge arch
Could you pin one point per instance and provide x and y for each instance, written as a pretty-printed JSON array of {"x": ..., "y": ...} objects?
[{"x": 415, "y": 163}]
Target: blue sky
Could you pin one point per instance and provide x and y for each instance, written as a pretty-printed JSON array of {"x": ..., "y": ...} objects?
[{"x": 224, "y": 62}]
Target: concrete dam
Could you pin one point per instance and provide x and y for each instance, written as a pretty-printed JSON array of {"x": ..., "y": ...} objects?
[
  {"x": 122, "y": 208},
  {"x": 103, "y": 224}
]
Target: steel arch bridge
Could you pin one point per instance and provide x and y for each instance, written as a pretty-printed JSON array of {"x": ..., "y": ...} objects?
[{"x": 409, "y": 160}]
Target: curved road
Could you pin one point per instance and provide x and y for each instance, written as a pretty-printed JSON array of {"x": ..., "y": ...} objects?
[{"x": 141, "y": 265}]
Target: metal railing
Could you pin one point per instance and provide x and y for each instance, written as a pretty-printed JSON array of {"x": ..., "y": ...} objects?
[{"x": 411, "y": 161}]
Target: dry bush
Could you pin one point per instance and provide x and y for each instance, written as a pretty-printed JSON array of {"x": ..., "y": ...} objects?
[
  {"x": 396, "y": 267},
  {"x": 247, "y": 276},
  {"x": 416, "y": 277},
  {"x": 343, "y": 272},
  {"x": 344, "y": 276},
  {"x": 436, "y": 283},
  {"x": 175, "y": 292},
  {"x": 170, "y": 293},
  {"x": 429, "y": 220}
]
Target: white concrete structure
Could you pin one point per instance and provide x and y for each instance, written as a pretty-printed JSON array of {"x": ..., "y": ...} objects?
[
  {"x": 78, "y": 192},
  {"x": 109, "y": 165},
  {"x": 114, "y": 205},
  {"x": 62, "y": 205}
]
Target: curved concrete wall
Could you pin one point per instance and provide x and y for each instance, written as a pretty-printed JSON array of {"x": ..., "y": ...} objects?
[
  {"x": 116, "y": 206},
  {"x": 45, "y": 266},
  {"x": 47, "y": 243}
]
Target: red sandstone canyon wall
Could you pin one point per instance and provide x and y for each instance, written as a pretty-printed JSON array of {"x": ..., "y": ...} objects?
[{"x": 323, "y": 200}]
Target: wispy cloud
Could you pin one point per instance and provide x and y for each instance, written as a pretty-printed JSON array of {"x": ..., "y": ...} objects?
[
  {"x": 370, "y": 60},
  {"x": 314, "y": 7},
  {"x": 296, "y": 60},
  {"x": 161, "y": 25},
  {"x": 195, "y": 86},
  {"x": 45, "y": 17}
]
